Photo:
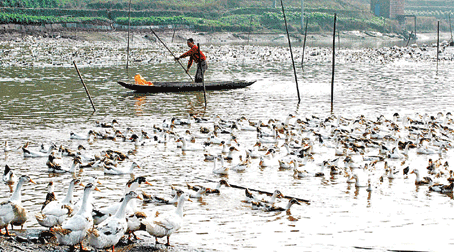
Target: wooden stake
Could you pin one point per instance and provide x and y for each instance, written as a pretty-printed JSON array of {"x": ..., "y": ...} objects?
[
  {"x": 450, "y": 28},
  {"x": 257, "y": 190},
  {"x": 129, "y": 24},
  {"x": 438, "y": 41},
  {"x": 334, "y": 62},
  {"x": 203, "y": 81},
  {"x": 304, "y": 44},
  {"x": 250, "y": 29},
  {"x": 173, "y": 35},
  {"x": 86, "y": 89},
  {"x": 409, "y": 37},
  {"x": 291, "y": 52}
]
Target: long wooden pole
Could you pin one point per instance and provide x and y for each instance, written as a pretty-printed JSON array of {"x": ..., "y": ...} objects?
[
  {"x": 173, "y": 35},
  {"x": 409, "y": 37},
  {"x": 450, "y": 28},
  {"x": 86, "y": 89},
  {"x": 173, "y": 55},
  {"x": 291, "y": 52},
  {"x": 201, "y": 70},
  {"x": 250, "y": 29},
  {"x": 129, "y": 25},
  {"x": 304, "y": 44},
  {"x": 256, "y": 190},
  {"x": 438, "y": 41},
  {"x": 334, "y": 62}
]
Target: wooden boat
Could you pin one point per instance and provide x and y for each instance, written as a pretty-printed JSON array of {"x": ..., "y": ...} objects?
[{"x": 158, "y": 87}]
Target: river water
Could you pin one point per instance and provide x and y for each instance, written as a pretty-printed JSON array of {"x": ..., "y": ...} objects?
[{"x": 43, "y": 101}]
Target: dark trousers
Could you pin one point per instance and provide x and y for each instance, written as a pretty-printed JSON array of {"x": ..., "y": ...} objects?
[{"x": 201, "y": 68}]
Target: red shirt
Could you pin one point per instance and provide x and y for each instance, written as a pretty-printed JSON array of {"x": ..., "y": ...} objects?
[{"x": 193, "y": 54}]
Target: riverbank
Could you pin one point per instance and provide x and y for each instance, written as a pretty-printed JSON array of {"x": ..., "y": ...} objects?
[
  {"x": 346, "y": 38},
  {"x": 39, "y": 241},
  {"x": 10, "y": 33}
]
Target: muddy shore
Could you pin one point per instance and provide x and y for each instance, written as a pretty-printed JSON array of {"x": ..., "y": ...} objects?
[
  {"x": 39, "y": 240},
  {"x": 202, "y": 37}
]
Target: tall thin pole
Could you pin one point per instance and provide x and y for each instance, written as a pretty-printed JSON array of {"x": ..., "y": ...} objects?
[
  {"x": 438, "y": 40},
  {"x": 173, "y": 55},
  {"x": 250, "y": 29},
  {"x": 291, "y": 53},
  {"x": 409, "y": 37},
  {"x": 302, "y": 14},
  {"x": 129, "y": 25},
  {"x": 450, "y": 28},
  {"x": 304, "y": 44},
  {"x": 334, "y": 61},
  {"x": 86, "y": 89},
  {"x": 415, "y": 26},
  {"x": 203, "y": 81},
  {"x": 173, "y": 35}
]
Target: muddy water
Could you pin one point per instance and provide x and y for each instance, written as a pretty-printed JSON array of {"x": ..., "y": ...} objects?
[{"x": 43, "y": 103}]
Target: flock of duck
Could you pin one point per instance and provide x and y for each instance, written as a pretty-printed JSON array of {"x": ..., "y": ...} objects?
[
  {"x": 35, "y": 51},
  {"x": 353, "y": 148}
]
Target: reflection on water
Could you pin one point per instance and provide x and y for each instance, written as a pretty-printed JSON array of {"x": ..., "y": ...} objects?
[
  {"x": 140, "y": 100},
  {"x": 43, "y": 105}
]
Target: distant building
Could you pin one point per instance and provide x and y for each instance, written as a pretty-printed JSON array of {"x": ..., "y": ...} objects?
[{"x": 387, "y": 8}]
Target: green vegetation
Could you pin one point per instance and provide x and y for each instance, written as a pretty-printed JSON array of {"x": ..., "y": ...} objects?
[
  {"x": 7, "y": 18},
  {"x": 214, "y": 15}
]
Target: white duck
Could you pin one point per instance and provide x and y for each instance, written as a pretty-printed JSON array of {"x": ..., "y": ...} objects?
[
  {"x": 102, "y": 214},
  {"x": 245, "y": 126},
  {"x": 90, "y": 135},
  {"x": 272, "y": 208},
  {"x": 186, "y": 147},
  {"x": 221, "y": 170},
  {"x": 419, "y": 180},
  {"x": 7, "y": 148},
  {"x": 242, "y": 165},
  {"x": 276, "y": 194},
  {"x": 11, "y": 211},
  {"x": 254, "y": 152},
  {"x": 159, "y": 200},
  {"x": 268, "y": 159},
  {"x": 359, "y": 181},
  {"x": 112, "y": 170},
  {"x": 55, "y": 212},
  {"x": 92, "y": 180},
  {"x": 199, "y": 194},
  {"x": 9, "y": 178},
  {"x": 167, "y": 223},
  {"x": 74, "y": 230},
  {"x": 32, "y": 154},
  {"x": 108, "y": 233},
  {"x": 58, "y": 169}
]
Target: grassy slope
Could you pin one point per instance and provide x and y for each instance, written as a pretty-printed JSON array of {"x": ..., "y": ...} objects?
[{"x": 221, "y": 15}]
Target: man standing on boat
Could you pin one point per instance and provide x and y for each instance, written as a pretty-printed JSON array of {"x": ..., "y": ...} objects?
[{"x": 195, "y": 55}]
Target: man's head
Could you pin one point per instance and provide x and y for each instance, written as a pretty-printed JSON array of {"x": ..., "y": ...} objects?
[{"x": 190, "y": 42}]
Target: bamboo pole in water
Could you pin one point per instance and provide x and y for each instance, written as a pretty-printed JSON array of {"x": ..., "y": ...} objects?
[
  {"x": 86, "y": 89},
  {"x": 129, "y": 25},
  {"x": 409, "y": 37},
  {"x": 256, "y": 190},
  {"x": 173, "y": 35},
  {"x": 334, "y": 62},
  {"x": 250, "y": 29},
  {"x": 291, "y": 53},
  {"x": 203, "y": 81},
  {"x": 304, "y": 44},
  {"x": 438, "y": 41},
  {"x": 450, "y": 28}
]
